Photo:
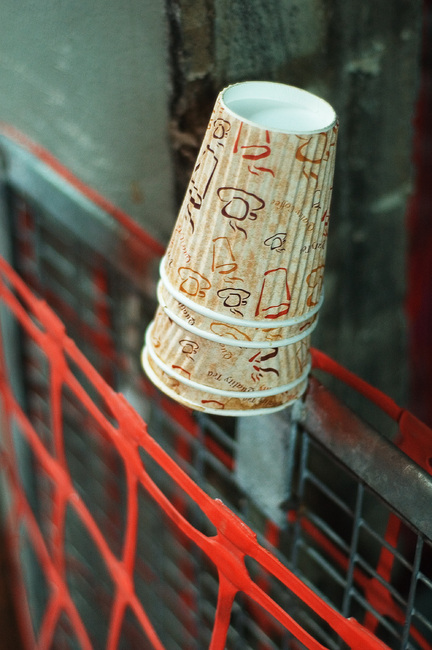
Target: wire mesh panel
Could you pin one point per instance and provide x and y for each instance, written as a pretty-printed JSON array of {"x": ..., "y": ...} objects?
[
  {"x": 119, "y": 530},
  {"x": 90, "y": 584}
]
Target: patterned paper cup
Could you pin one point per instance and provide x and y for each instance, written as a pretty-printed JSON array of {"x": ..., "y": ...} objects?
[
  {"x": 199, "y": 400},
  {"x": 224, "y": 377},
  {"x": 246, "y": 259},
  {"x": 226, "y": 329}
]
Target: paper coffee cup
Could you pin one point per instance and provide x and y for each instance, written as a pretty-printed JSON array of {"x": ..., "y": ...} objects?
[
  {"x": 225, "y": 329},
  {"x": 246, "y": 259}
]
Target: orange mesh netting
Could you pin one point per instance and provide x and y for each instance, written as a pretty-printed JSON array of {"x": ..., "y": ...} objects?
[{"x": 228, "y": 549}]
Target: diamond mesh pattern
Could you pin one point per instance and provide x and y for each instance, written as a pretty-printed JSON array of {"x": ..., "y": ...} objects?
[{"x": 221, "y": 537}]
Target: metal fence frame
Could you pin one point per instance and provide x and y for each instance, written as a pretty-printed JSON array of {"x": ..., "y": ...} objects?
[{"x": 263, "y": 468}]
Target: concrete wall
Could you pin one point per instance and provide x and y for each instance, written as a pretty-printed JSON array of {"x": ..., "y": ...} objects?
[
  {"x": 363, "y": 57},
  {"x": 90, "y": 82}
]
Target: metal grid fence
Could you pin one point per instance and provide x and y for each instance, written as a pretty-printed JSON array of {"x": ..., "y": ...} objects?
[{"x": 119, "y": 535}]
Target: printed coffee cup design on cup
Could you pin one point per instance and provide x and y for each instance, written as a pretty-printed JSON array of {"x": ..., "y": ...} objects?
[{"x": 241, "y": 281}]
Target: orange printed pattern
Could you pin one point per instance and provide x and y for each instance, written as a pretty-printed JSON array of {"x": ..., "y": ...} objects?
[
  {"x": 275, "y": 298},
  {"x": 193, "y": 283},
  {"x": 254, "y": 152}
]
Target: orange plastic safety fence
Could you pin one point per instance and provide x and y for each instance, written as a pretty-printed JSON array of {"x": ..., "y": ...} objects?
[{"x": 228, "y": 549}]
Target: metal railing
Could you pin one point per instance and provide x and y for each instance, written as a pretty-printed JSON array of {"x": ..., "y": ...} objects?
[{"x": 336, "y": 503}]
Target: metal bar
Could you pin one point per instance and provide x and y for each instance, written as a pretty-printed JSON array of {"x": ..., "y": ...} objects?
[
  {"x": 353, "y": 551},
  {"x": 374, "y": 459},
  {"x": 327, "y": 491},
  {"x": 412, "y": 593},
  {"x": 300, "y": 496}
]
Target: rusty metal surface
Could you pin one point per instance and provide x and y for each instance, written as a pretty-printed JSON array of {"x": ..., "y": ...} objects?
[{"x": 373, "y": 458}]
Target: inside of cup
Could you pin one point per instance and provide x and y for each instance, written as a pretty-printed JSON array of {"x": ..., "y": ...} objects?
[{"x": 279, "y": 107}]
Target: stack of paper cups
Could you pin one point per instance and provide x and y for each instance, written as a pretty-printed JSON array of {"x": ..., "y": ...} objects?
[{"x": 241, "y": 281}]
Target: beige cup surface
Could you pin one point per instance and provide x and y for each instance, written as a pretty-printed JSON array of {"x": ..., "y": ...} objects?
[{"x": 243, "y": 273}]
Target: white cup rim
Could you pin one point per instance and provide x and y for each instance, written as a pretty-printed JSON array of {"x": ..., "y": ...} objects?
[
  {"x": 205, "y": 409},
  {"x": 310, "y": 114}
]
